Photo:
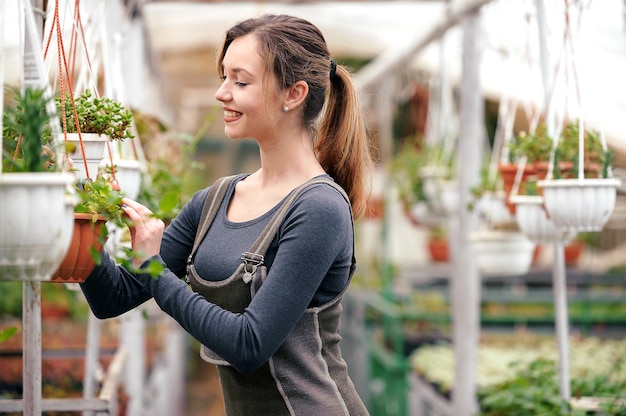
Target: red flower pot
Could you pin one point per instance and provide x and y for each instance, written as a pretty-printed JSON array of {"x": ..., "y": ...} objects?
[{"x": 78, "y": 263}]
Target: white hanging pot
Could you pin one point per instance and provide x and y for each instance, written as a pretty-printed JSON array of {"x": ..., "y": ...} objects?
[
  {"x": 502, "y": 253},
  {"x": 422, "y": 213},
  {"x": 35, "y": 221},
  {"x": 128, "y": 175},
  {"x": 492, "y": 207},
  {"x": 533, "y": 221},
  {"x": 431, "y": 177},
  {"x": 94, "y": 146},
  {"x": 448, "y": 195},
  {"x": 580, "y": 204}
]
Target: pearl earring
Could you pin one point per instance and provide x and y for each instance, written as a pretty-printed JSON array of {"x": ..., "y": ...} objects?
[{"x": 285, "y": 109}]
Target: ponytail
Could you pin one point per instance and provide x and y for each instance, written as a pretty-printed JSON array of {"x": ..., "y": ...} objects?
[{"x": 342, "y": 144}]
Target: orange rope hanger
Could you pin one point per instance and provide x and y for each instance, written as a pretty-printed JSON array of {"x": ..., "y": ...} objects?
[{"x": 67, "y": 71}]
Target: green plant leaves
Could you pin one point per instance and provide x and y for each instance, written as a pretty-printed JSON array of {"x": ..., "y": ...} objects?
[
  {"x": 6, "y": 334},
  {"x": 100, "y": 115},
  {"x": 26, "y": 134}
]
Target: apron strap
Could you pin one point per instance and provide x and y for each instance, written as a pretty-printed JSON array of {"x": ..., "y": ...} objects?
[
  {"x": 255, "y": 255},
  {"x": 209, "y": 210}
]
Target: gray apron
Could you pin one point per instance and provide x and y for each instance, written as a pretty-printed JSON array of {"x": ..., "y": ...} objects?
[{"x": 307, "y": 375}]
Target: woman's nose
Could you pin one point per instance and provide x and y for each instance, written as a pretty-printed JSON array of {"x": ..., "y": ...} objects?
[{"x": 222, "y": 94}]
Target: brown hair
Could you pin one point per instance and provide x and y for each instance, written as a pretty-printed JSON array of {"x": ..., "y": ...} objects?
[{"x": 295, "y": 49}]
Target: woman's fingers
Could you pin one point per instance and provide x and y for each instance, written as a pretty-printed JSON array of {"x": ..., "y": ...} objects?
[{"x": 146, "y": 231}]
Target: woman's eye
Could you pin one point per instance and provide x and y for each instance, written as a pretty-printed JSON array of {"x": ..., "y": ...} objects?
[{"x": 237, "y": 83}]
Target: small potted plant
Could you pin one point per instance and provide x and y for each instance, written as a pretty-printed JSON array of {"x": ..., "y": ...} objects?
[
  {"x": 169, "y": 168},
  {"x": 405, "y": 168},
  {"x": 487, "y": 198},
  {"x": 98, "y": 203},
  {"x": 35, "y": 213},
  {"x": 438, "y": 246},
  {"x": 525, "y": 199},
  {"x": 502, "y": 250},
  {"x": 89, "y": 122},
  {"x": 584, "y": 200},
  {"x": 417, "y": 184},
  {"x": 529, "y": 158}
]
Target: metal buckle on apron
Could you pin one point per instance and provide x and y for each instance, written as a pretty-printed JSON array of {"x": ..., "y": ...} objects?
[{"x": 251, "y": 261}]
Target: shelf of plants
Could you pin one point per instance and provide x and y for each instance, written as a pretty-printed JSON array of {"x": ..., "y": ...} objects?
[{"x": 410, "y": 344}]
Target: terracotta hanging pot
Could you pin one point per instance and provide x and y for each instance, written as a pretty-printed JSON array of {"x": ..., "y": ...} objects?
[
  {"x": 508, "y": 173},
  {"x": 78, "y": 262},
  {"x": 573, "y": 251},
  {"x": 438, "y": 249}
]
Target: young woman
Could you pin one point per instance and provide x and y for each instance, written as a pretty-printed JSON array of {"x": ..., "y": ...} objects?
[{"x": 265, "y": 303}]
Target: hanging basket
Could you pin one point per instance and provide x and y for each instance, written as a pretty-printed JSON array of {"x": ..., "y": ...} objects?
[
  {"x": 502, "y": 253},
  {"x": 533, "y": 221},
  {"x": 422, "y": 213},
  {"x": 94, "y": 145},
  {"x": 580, "y": 204},
  {"x": 431, "y": 175},
  {"x": 78, "y": 262},
  {"x": 35, "y": 220},
  {"x": 127, "y": 174},
  {"x": 492, "y": 207},
  {"x": 448, "y": 196}
]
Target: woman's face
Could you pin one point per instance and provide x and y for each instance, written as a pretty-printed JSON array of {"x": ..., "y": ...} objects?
[{"x": 250, "y": 111}]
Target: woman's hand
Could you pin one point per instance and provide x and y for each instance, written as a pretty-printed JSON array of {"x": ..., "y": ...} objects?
[{"x": 146, "y": 231}]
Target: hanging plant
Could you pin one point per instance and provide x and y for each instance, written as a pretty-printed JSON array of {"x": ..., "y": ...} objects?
[
  {"x": 33, "y": 240},
  {"x": 582, "y": 198},
  {"x": 26, "y": 139},
  {"x": 426, "y": 190},
  {"x": 596, "y": 159},
  {"x": 99, "y": 115},
  {"x": 98, "y": 203},
  {"x": 536, "y": 147},
  {"x": 90, "y": 122}
]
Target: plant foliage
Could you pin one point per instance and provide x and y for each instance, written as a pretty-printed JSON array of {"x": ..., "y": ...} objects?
[
  {"x": 26, "y": 133},
  {"x": 100, "y": 115}
]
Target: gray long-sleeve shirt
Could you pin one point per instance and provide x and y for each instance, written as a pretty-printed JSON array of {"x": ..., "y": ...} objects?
[{"x": 308, "y": 262}]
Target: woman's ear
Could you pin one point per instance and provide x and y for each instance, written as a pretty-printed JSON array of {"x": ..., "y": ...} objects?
[{"x": 296, "y": 94}]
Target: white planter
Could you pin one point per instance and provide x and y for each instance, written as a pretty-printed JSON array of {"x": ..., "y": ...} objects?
[
  {"x": 492, "y": 207},
  {"x": 448, "y": 194},
  {"x": 502, "y": 253},
  {"x": 580, "y": 204},
  {"x": 128, "y": 175},
  {"x": 35, "y": 221},
  {"x": 422, "y": 213},
  {"x": 94, "y": 146},
  {"x": 431, "y": 178},
  {"x": 533, "y": 221}
]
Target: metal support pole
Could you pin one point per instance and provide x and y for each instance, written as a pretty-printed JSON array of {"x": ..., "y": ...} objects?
[
  {"x": 384, "y": 106},
  {"x": 133, "y": 340},
  {"x": 31, "y": 291},
  {"x": 562, "y": 319},
  {"x": 558, "y": 266},
  {"x": 31, "y": 358},
  {"x": 91, "y": 359},
  {"x": 175, "y": 358},
  {"x": 465, "y": 282}
]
